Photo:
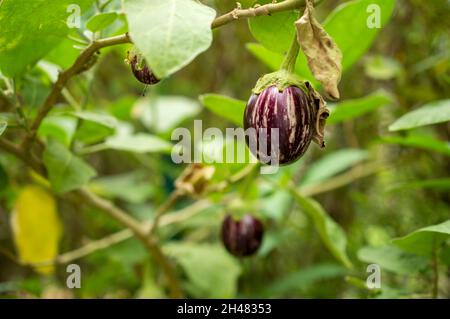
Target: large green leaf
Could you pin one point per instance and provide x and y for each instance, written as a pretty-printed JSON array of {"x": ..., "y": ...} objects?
[
  {"x": 132, "y": 187},
  {"x": 431, "y": 113},
  {"x": 424, "y": 240},
  {"x": 419, "y": 141},
  {"x": 165, "y": 112},
  {"x": 66, "y": 172},
  {"x": 392, "y": 258},
  {"x": 169, "y": 33},
  {"x": 138, "y": 143},
  {"x": 211, "y": 271},
  {"x": 99, "y": 118},
  {"x": 332, "y": 235},
  {"x": 332, "y": 164},
  {"x": 224, "y": 106},
  {"x": 30, "y": 29},
  {"x": 59, "y": 127},
  {"x": 350, "y": 109},
  {"x": 348, "y": 26},
  {"x": 274, "y": 31}
]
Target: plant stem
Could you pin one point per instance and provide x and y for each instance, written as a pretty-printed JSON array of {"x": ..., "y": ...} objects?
[
  {"x": 80, "y": 65},
  {"x": 291, "y": 57},
  {"x": 263, "y": 10}
]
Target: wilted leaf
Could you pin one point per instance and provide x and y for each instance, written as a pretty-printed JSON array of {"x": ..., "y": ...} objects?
[
  {"x": 224, "y": 106},
  {"x": 65, "y": 171},
  {"x": 431, "y": 113},
  {"x": 211, "y": 271},
  {"x": 423, "y": 241},
  {"x": 324, "y": 57},
  {"x": 36, "y": 227}
]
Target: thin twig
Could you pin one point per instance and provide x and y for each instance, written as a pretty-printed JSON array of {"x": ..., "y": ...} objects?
[
  {"x": 81, "y": 64},
  {"x": 263, "y": 10},
  {"x": 174, "y": 196}
]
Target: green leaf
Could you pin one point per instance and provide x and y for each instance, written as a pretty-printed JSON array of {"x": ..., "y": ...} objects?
[
  {"x": 224, "y": 106},
  {"x": 303, "y": 279},
  {"x": 392, "y": 258},
  {"x": 442, "y": 184},
  {"x": 66, "y": 172},
  {"x": 275, "y": 32},
  {"x": 138, "y": 143},
  {"x": 380, "y": 67},
  {"x": 30, "y": 29},
  {"x": 101, "y": 21},
  {"x": 431, "y": 113},
  {"x": 424, "y": 142},
  {"x": 274, "y": 60},
  {"x": 348, "y": 26},
  {"x": 99, "y": 118},
  {"x": 132, "y": 187},
  {"x": 350, "y": 109},
  {"x": 424, "y": 240},
  {"x": 164, "y": 113},
  {"x": 211, "y": 271},
  {"x": 333, "y": 164},
  {"x": 59, "y": 127},
  {"x": 3, "y": 126},
  {"x": 332, "y": 235},
  {"x": 169, "y": 33}
]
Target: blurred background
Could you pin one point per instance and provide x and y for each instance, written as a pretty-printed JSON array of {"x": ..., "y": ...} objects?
[{"x": 376, "y": 184}]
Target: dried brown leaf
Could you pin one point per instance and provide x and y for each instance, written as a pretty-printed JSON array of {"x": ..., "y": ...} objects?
[{"x": 323, "y": 55}]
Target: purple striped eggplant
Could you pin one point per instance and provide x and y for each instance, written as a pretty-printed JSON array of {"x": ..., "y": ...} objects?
[
  {"x": 242, "y": 237},
  {"x": 283, "y": 122},
  {"x": 141, "y": 70}
]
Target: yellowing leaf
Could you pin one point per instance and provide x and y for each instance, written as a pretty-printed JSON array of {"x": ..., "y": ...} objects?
[
  {"x": 36, "y": 227},
  {"x": 323, "y": 55}
]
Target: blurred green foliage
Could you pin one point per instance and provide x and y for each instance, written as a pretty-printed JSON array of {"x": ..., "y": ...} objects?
[{"x": 380, "y": 187}]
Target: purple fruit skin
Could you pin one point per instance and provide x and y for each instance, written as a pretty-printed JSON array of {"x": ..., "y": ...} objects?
[
  {"x": 144, "y": 74},
  {"x": 243, "y": 237},
  {"x": 290, "y": 112}
]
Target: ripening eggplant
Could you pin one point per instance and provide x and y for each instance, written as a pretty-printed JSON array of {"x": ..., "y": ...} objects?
[
  {"x": 140, "y": 69},
  {"x": 242, "y": 237},
  {"x": 285, "y": 115}
]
